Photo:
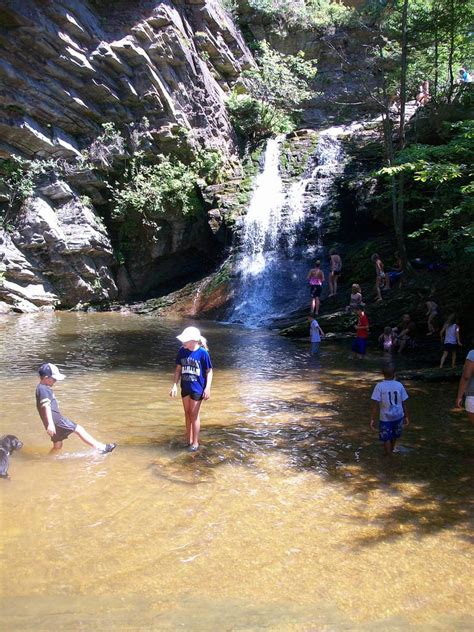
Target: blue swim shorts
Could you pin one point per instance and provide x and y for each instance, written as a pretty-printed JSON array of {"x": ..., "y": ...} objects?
[
  {"x": 390, "y": 430},
  {"x": 359, "y": 346}
]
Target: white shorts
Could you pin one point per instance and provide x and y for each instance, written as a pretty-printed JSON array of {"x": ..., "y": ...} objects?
[{"x": 470, "y": 404}]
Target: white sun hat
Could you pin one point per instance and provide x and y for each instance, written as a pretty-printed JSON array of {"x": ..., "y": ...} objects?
[
  {"x": 190, "y": 333},
  {"x": 51, "y": 370}
]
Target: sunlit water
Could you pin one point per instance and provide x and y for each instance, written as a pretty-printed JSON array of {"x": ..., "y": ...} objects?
[{"x": 289, "y": 517}]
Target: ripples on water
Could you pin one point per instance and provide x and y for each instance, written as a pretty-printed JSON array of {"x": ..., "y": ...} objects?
[{"x": 289, "y": 517}]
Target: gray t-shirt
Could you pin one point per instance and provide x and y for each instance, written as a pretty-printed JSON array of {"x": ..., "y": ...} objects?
[
  {"x": 43, "y": 394},
  {"x": 470, "y": 386}
]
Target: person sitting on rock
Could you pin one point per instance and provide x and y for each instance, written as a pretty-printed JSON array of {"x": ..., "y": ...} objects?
[{"x": 356, "y": 298}]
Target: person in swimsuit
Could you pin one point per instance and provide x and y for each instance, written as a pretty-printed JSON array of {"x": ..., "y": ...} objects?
[
  {"x": 315, "y": 279},
  {"x": 336, "y": 269},
  {"x": 381, "y": 279}
]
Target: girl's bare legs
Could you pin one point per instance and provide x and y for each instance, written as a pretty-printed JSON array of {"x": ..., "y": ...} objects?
[
  {"x": 331, "y": 284},
  {"x": 443, "y": 358},
  {"x": 453, "y": 359},
  {"x": 431, "y": 329},
  {"x": 313, "y": 305},
  {"x": 377, "y": 288},
  {"x": 316, "y": 306},
  {"x": 89, "y": 439},
  {"x": 334, "y": 283},
  {"x": 192, "y": 419}
]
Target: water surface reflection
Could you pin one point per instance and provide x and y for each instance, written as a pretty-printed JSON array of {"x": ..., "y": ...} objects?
[{"x": 289, "y": 517}]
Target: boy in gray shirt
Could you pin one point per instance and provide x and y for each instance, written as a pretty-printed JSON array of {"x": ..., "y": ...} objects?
[{"x": 57, "y": 426}]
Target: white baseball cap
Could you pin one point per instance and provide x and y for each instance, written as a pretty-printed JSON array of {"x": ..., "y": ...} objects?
[
  {"x": 190, "y": 333},
  {"x": 51, "y": 370}
]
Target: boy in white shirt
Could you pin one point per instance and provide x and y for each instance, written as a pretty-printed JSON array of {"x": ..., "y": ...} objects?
[
  {"x": 315, "y": 333},
  {"x": 390, "y": 397}
]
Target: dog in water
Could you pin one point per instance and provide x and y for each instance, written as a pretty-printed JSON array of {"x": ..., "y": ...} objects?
[{"x": 8, "y": 444}]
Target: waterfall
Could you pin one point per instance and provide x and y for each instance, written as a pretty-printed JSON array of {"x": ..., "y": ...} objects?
[{"x": 275, "y": 255}]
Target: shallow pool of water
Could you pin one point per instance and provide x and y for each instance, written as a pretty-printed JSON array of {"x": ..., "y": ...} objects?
[{"x": 288, "y": 518}]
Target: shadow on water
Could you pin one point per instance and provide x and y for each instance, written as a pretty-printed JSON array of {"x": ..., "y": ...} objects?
[
  {"x": 428, "y": 486},
  {"x": 309, "y": 415}
]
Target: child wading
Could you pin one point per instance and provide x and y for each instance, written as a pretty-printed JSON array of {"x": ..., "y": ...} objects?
[
  {"x": 359, "y": 346},
  {"x": 315, "y": 333},
  {"x": 57, "y": 426},
  {"x": 194, "y": 370},
  {"x": 390, "y": 396}
]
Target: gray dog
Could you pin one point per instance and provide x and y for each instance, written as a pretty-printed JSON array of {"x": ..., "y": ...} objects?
[{"x": 8, "y": 444}]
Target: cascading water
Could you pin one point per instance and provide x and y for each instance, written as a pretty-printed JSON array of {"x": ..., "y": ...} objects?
[{"x": 275, "y": 255}]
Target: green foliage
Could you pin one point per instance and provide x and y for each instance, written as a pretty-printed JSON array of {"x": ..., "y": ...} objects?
[
  {"x": 438, "y": 199},
  {"x": 20, "y": 178},
  {"x": 308, "y": 14},
  {"x": 280, "y": 80},
  {"x": 148, "y": 191},
  {"x": 254, "y": 119},
  {"x": 106, "y": 147},
  {"x": 277, "y": 87}
]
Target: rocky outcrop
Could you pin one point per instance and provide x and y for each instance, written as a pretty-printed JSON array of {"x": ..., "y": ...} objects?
[
  {"x": 66, "y": 68},
  {"x": 345, "y": 78},
  {"x": 57, "y": 254}
]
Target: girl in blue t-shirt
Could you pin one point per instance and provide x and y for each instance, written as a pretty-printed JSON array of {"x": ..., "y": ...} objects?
[{"x": 194, "y": 370}]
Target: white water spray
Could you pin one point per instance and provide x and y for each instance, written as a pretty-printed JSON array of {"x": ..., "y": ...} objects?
[{"x": 272, "y": 270}]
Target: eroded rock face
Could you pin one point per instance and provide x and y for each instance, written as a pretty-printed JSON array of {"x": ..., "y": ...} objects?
[
  {"x": 55, "y": 255},
  {"x": 66, "y": 68}
]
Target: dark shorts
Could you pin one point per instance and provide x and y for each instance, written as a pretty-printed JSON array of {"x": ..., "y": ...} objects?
[
  {"x": 64, "y": 427},
  {"x": 390, "y": 430},
  {"x": 450, "y": 347},
  {"x": 359, "y": 346},
  {"x": 194, "y": 396},
  {"x": 336, "y": 272},
  {"x": 316, "y": 290}
]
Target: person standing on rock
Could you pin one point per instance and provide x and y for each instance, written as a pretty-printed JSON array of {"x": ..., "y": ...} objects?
[
  {"x": 194, "y": 371},
  {"x": 336, "y": 269},
  {"x": 450, "y": 331},
  {"x": 315, "y": 279},
  {"x": 381, "y": 279}
]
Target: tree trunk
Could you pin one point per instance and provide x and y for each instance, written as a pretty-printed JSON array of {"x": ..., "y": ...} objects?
[{"x": 403, "y": 74}]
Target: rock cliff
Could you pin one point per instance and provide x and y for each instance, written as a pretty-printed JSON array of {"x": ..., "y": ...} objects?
[{"x": 66, "y": 68}]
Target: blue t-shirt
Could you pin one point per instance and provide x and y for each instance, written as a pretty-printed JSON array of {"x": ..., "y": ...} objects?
[{"x": 194, "y": 368}]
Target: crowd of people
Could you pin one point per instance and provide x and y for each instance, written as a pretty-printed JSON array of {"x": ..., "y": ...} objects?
[{"x": 392, "y": 340}]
